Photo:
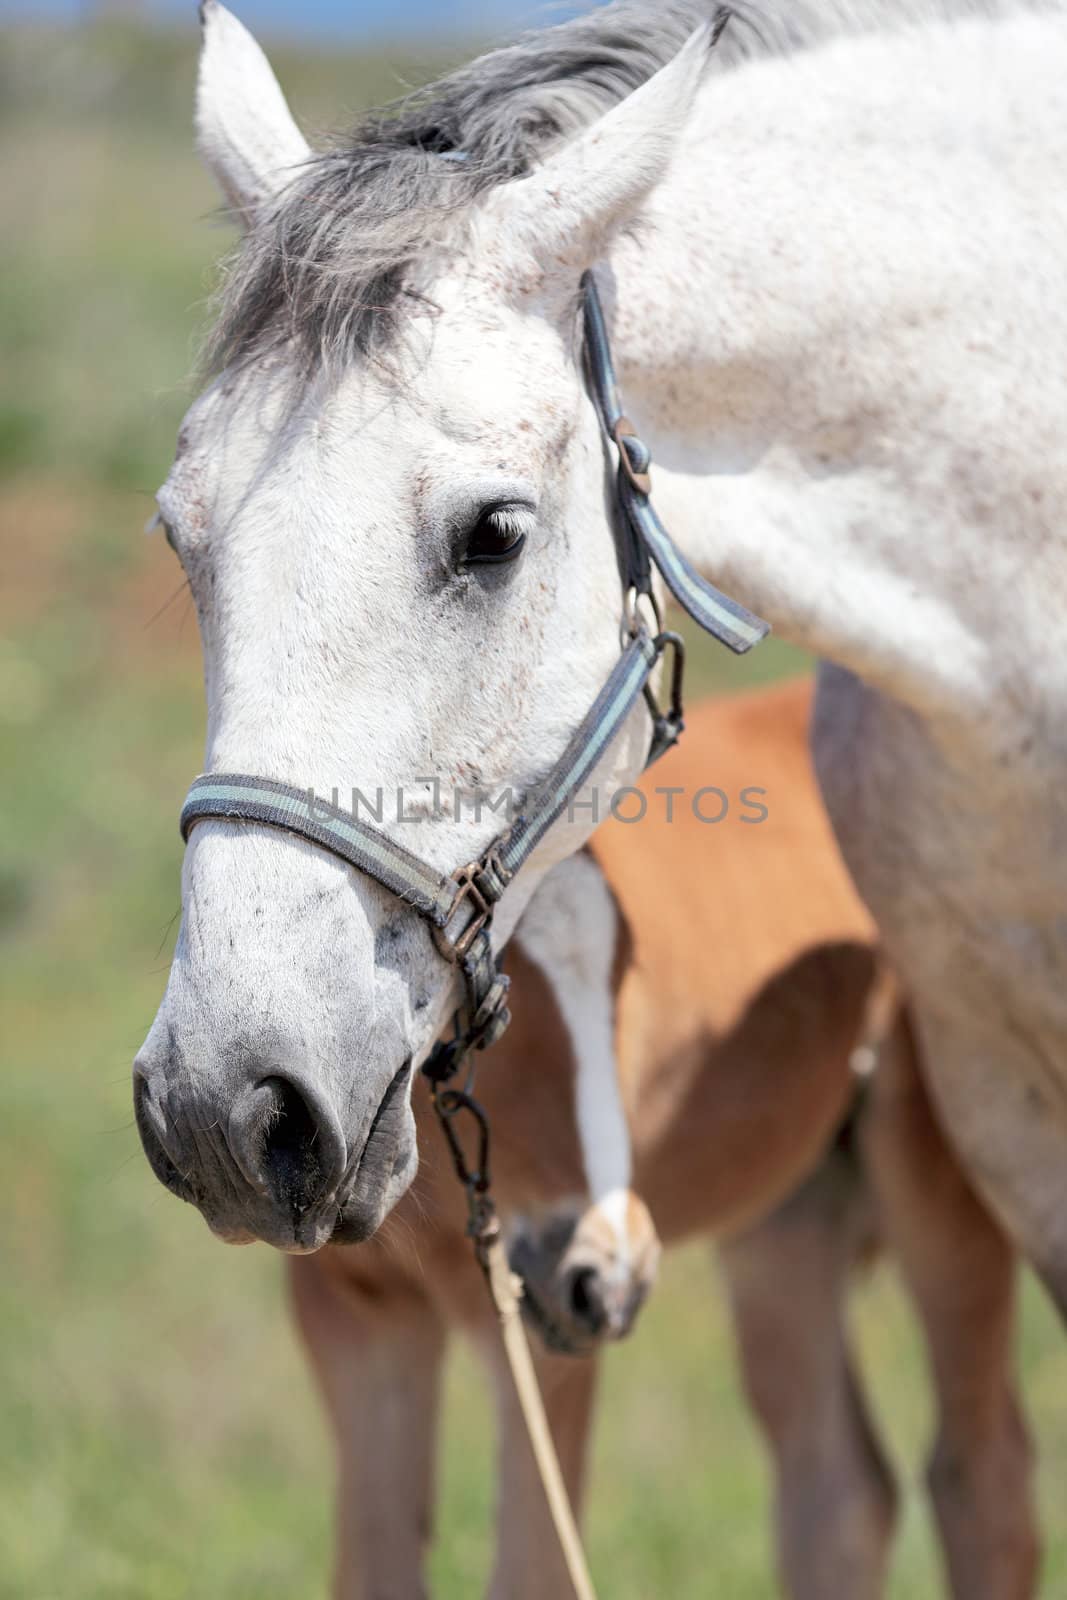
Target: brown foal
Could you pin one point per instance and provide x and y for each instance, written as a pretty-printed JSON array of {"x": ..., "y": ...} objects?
[{"x": 691, "y": 1003}]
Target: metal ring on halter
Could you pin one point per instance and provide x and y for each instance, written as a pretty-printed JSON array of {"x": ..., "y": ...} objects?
[
  {"x": 632, "y": 621},
  {"x": 667, "y": 726},
  {"x": 479, "y": 886}
]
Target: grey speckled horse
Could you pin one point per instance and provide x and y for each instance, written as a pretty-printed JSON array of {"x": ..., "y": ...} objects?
[{"x": 832, "y": 264}]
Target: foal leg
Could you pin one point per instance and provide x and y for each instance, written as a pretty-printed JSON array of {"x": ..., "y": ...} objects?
[
  {"x": 376, "y": 1348},
  {"x": 788, "y": 1278},
  {"x": 529, "y": 1564},
  {"x": 960, "y": 1270}
]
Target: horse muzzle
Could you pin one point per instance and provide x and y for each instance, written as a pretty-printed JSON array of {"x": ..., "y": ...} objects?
[
  {"x": 272, "y": 1161},
  {"x": 586, "y": 1272}
]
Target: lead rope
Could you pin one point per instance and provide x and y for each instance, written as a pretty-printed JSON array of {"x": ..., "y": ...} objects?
[{"x": 505, "y": 1291}]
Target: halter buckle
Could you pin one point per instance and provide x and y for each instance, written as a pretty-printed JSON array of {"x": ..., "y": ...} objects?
[
  {"x": 479, "y": 887},
  {"x": 641, "y": 479}
]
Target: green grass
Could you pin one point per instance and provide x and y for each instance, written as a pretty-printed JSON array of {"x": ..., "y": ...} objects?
[{"x": 158, "y": 1436}]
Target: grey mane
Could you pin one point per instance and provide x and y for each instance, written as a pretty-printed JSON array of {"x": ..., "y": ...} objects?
[{"x": 326, "y": 271}]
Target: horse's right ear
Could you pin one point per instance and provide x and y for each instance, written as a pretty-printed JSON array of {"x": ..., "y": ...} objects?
[{"x": 245, "y": 130}]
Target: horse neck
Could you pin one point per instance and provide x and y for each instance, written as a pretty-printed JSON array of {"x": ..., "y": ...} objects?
[{"x": 835, "y": 439}]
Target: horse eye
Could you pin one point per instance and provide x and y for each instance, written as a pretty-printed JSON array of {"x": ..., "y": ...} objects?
[{"x": 498, "y": 535}]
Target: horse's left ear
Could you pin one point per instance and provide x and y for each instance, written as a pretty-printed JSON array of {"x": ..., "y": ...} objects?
[
  {"x": 245, "y": 130},
  {"x": 567, "y": 210}
]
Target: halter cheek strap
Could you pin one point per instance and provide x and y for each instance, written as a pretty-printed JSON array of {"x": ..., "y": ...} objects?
[
  {"x": 640, "y": 534},
  {"x": 459, "y": 908}
]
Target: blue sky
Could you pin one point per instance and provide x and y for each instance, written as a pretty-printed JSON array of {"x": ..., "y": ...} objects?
[{"x": 337, "y": 19}]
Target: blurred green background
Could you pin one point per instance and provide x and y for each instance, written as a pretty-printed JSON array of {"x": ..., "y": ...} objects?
[{"x": 158, "y": 1436}]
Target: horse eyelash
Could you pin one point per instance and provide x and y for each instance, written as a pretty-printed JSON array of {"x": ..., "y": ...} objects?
[{"x": 511, "y": 520}]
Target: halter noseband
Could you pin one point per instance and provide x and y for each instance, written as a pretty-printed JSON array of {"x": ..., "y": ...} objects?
[{"x": 460, "y": 908}]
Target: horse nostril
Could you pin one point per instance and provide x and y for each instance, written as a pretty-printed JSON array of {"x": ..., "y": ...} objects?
[
  {"x": 296, "y": 1154},
  {"x": 288, "y": 1153},
  {"x": 287, "y": 1144},
  {"x": 586, "y": 1301}
]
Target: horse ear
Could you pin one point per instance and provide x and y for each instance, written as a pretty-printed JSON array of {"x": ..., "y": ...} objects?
[
  {"x": 567, "y": 210},
  {"x": 245, "y": 130}
]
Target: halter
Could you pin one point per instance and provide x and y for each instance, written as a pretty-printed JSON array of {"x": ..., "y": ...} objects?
[{"x": 459, "y": 909}]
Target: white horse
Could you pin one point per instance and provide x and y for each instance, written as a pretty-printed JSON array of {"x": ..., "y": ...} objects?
[{"x": 833, "y": 276}]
